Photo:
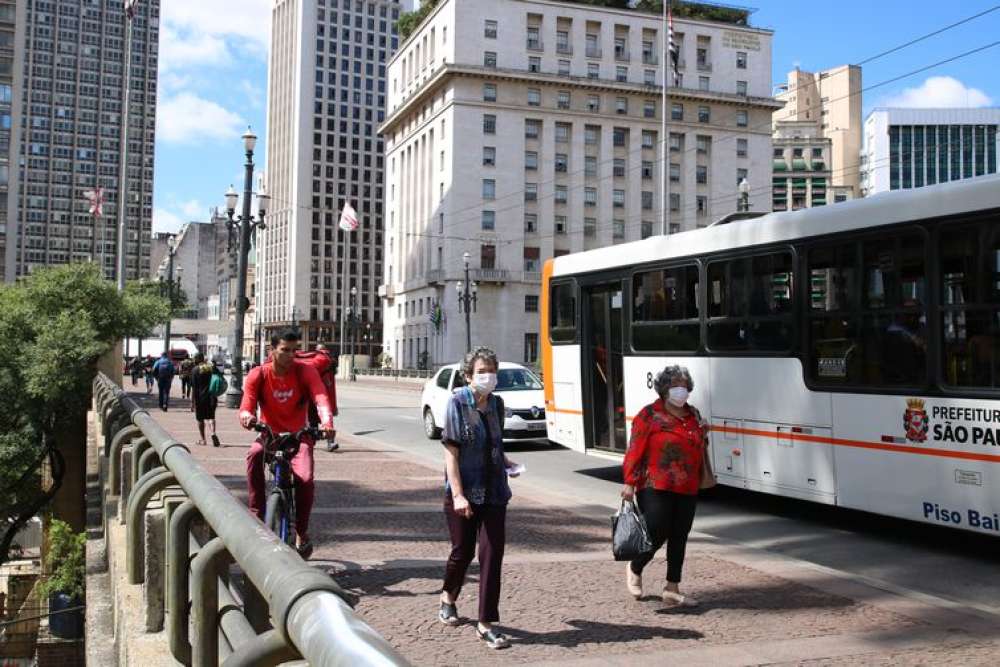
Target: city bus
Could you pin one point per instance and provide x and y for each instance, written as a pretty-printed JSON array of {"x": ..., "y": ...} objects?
[{"x": 845, "y": 354}]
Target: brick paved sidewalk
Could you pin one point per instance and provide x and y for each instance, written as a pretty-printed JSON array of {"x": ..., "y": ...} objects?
[{"x": 379, "y": 530}]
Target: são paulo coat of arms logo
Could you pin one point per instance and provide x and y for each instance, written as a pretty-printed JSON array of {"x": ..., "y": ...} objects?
[{"x": 915, "y": 420}]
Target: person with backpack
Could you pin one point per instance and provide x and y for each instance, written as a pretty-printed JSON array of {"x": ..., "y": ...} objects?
[
  {"x": 205, "y": 392},
  {"x": 164, "y": 371},
  {"x": 136, "y": 369},
  {"x": 147, "y": 369},
  {"x": 282, "y": 389},
  {"x": 185, "y": 372},
  {"x": 323, "y": 363}
]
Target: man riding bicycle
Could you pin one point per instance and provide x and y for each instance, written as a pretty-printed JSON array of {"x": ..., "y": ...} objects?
[{"x": 283, "y": 388}]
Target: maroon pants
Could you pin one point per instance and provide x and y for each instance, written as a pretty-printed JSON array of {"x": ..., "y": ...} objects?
[
  {"x": 488, "y": 524},
  {"x": 305, "y": 487}
]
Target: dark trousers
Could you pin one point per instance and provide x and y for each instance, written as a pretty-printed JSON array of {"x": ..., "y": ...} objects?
[
  {"x": 164, "y": 387},
  {"x": 185, "y": 387},
  {"x": 488, "y": 523},
  {"x": 669, "y": 517}
]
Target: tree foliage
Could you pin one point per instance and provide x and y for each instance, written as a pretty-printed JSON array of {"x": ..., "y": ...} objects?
[
  {"x": 54, "y": 326},
  {"x": 66, "y": 561}
]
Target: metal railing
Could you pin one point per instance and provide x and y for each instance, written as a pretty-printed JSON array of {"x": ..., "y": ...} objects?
[{"x": 310, "y": 614}]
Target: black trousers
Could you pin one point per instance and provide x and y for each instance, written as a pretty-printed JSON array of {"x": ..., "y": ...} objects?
[
  {"x": 488, "y": 523},
  {"x": 669, "y": 517}
]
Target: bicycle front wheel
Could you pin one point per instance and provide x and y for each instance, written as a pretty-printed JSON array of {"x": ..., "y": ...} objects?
[{"x": 276, "y": 517}]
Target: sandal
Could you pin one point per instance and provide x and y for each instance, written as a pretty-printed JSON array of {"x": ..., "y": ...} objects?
[
  {"x": 679, "y": 600},
  {"x": 448, "y": 614},
  {"x": 305, "y": 549},
  {"x": 493, "y": 639}
]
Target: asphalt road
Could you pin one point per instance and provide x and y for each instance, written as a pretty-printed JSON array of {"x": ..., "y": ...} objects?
[{"x": 896, "y": 555}]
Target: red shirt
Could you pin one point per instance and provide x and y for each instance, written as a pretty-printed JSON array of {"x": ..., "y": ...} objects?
[
  {"x": 665, "y": 452},
  {"x": 284, "y": 401}
]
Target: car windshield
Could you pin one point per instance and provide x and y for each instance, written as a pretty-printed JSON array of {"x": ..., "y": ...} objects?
[{"x": 516, "y": 379}]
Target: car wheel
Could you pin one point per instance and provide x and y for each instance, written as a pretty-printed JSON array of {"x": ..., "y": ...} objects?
[{"x": 431, "y": 429}]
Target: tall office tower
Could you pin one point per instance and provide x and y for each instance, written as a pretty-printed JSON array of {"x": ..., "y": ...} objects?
[
  {"x": 519, "y": 130},
  {"x": 12, "y": 35},
  {"x": 73, "y": 87},
  {"x": 326, "y": 98},
  {"x": 911, "y": 148},
  {"x": 830, "y": 99}
]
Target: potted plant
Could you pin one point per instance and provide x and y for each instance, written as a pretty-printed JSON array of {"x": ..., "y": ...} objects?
[{"x": 65, "y": 564}]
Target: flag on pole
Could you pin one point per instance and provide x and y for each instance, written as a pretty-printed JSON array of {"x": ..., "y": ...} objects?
[
  {"x": 130, "y": 6},
  {"x": 672, "y": 52},
  {"x": 96, "y": 199},
  {"x": 348, "y": 218},
  {"x": 436, "y": 317}
]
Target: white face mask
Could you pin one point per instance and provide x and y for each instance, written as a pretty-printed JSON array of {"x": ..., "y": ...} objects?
[
  {"x": 484, "y": 383},
  {"x": 678, "y": 396}
]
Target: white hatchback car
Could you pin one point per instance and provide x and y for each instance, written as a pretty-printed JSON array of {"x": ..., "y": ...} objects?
[{"x": 520, "y": 389}]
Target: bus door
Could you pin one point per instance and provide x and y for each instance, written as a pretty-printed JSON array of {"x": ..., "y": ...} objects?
[{"x": 602, "y": 367}]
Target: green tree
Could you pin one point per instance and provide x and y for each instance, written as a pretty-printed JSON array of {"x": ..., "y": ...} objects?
[{"x": 54, "y": 326}]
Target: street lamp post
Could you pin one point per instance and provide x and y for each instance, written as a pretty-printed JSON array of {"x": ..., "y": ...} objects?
[
  {"x": 744, "y": 189},
  {"x": 352, "y": 316},
  {"x": 171, "y": 252},
  {"x": 245, "y": 225},
  {"x": 467, "y": 301}
]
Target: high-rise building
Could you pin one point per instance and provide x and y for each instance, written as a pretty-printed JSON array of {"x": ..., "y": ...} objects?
[
  {"x": 326, "y": 98},
  {"x": 911, "y": 148},
  {"x": 520, "y": 130},
  {"x": 802, "y": 171},
  {"x": 830, "y": 99},
  {"x": 12, "y": 36},
  {"x": 73, "y": 86}
]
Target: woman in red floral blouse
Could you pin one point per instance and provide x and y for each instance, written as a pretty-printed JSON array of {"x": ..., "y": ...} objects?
[{"x": 663, "y": 468}]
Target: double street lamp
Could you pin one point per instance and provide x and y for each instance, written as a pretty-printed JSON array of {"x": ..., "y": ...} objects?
[
  {"x": 167, "y": 288},
  {"x": 245, "y": 225},
  {"x": 467, "y": 301}
]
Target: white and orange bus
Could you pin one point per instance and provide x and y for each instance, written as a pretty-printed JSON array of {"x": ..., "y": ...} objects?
[{"x": 847, "y": 355}]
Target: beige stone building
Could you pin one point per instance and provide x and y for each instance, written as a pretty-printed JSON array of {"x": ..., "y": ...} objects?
[
  {"x": 802, "y": 171},
  {"x": 832, "y": 100}
]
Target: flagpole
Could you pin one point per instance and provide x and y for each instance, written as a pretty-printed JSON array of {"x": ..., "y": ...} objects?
[
  {"x": 123, "y": 146},
  {"x": 665, "y": 140}
]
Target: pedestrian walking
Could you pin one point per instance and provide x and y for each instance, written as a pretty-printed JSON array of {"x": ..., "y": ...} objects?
[
  {"x": 164, "y": 372},
  {"x": 147, "y": 368},
  {"x": 664, "y": 467},
  {"x": 185, "y": 373},
  {"x": 476, "y": 492},
  {"x": 203, "y": 401},
  {"x": 136, "y": 369}
]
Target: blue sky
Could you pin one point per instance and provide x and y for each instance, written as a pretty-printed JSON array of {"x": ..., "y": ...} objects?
[{"x": 213, "y": 76}]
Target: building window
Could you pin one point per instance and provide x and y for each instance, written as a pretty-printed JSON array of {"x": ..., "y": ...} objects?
[
  {"x": 564, "y": 67},
  {"x": 675, "y": 202},
  {"x": 590, "y": 165},
  {"x": 740, "y": 175},
  {"x": 534, "y": 97},
  {"x": 676, "y": 111},
  {"x": 701, "y": 202},
  {"x": 701, "y": 174},
  {"x": 648, "y": 139},
  {"x": 489, "y": 124},
  {"x": 675, "y": 172},
  {"x": 487, "y": 257},
  {"x": 621, "y": 48},
  {"x": 489, "y": 156},
  {"x": 594, "y": 103},
  {"x": 675, "y": 228},
  {"x": 530, "y": 348},
  {"x": 489, "y": 92},
  {"x": 649, "y": 77},
  {"x": 618, "y": 169},
  {"x": 741, "y": 148},
  {"x": 530, "y": 223},
  {"x": 593, "y": 71},
  {"x": 532, "y": 256},
  {"x": 741, "y": 88},
  {"x": 489, "y": 220},
  {"x": 532, "y": 128},
  {"x": 618, "y": 136},
  {"x": 534, "y": 42},
  {"x": 593, "y": 45},
  {"x": 560, "y": 227},
  {"x": 676, "y": 142},
  {"x": 704, "y": 115},
  {"x": 591, "y": 133},
  {"x": 817, "y": 153},
  {"x": 561, "y": 163},
  {"x": 590, "y": 196},
  {"x": 618, "y": 229},
  {"x": 618, "y": 198},
  {"x": 530, "y": 160},
  {"x": 490, "y": 59},
  {"x": 562, "y": 42},
  {"x": 534, "y": 64},
  {"x": 703, "y": 144},
  {"x": 649, "y": 109},
  {"x": 741, "y": 60},
  {"x": 590, "y": 227},
  {"x": 646, "y": 229},
  {"x": 530, "y": 191},
  {"x": 647, "y": 170},
  {"x": 562, "y": 194},
  {"x": 563, "y": 99},
  {"x": 741, "y": 119},
  {"x": 562, "y": 133},
  {"x": 621, "y": 74},
  {"x": 621, "y": 105},
  {"x": 490, "y": 30},
  {"x": 489, "y": 188},
  {"x": 647, "y": 199},
  {"x": 703, "y": 83},
  {"x": 531, "y": 303}
]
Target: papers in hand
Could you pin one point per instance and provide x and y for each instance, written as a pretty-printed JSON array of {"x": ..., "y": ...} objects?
[{"x": 516, "y": 470}]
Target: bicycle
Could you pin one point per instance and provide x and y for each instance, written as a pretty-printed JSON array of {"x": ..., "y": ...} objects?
[{"x": 279, "y": 450}]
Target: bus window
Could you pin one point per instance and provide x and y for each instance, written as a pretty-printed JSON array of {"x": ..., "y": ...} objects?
[
  {"x": 833, "y": 338},
  {"x": 665, "y": 310},
  {"x": 562, "y": 313},
  {"x": 970, "y": 307},
  {"x": 750, "y": 303}
]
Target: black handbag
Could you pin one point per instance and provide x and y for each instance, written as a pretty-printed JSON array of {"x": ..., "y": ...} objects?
[{"x": 629, "y": 535}]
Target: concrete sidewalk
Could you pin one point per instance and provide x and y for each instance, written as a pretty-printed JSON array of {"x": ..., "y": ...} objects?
[{"x": 379, "y": 530}]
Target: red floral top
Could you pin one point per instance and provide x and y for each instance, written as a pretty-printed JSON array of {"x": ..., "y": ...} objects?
[{"x": 665, "y": 452}]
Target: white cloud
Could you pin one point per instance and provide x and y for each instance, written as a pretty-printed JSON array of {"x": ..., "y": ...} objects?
[
  {"x": 165, "y": 221},
  {"x": 187, "y": 119},
  {"x": 181, "y": 48},
  {"x": 940, "y": 92},
  {"x": 240, "y": 19},
  {"x": 194, "y": 210}
]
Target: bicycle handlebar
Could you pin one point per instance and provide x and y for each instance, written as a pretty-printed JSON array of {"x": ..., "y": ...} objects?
[{"x": 261, "y": 427}]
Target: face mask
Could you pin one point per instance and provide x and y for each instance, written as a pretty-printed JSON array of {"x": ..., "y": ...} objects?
[
  {"x": 678, "y": 396},
  {"x": 484, "y": 383}
]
